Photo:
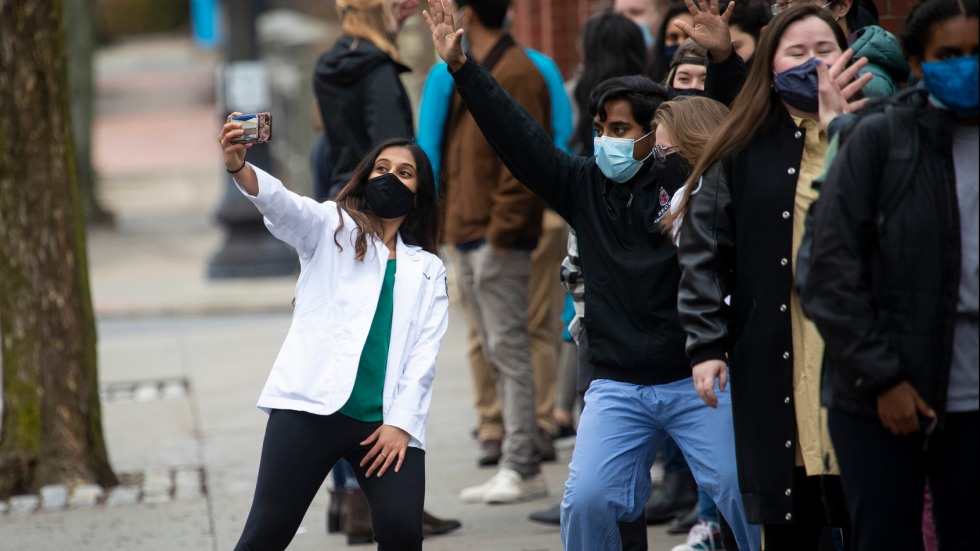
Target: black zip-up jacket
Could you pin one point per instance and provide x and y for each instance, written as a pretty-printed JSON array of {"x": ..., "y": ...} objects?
[
  {"x": 883, "y": 290},
  {"x": 630, "y": 266},
  {"x": 362, "y": 101}
]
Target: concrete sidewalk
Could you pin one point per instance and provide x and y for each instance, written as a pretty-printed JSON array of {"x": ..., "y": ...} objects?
[{"x": 182, "y": 358}]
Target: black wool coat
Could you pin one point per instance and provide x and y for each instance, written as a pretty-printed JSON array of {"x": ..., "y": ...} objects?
[{"x": 737, "y": 240}]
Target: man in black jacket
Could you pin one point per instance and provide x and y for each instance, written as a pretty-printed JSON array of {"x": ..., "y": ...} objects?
[{"x": 642, "y": 390}]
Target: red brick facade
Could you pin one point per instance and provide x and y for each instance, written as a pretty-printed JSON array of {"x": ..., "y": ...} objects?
[
  {"x": 553, "y": 26},
  {"x": 891, "y": 13}
]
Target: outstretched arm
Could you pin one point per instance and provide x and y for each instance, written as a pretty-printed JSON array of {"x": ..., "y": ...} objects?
[
  {"x": 517, "y": 138},
  {"x": 297, "y": 221}
]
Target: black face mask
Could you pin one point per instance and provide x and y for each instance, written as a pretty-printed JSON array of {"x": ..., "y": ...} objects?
[
  {"x": 388, "y": 197},
  {"x": 672, "y": 172},
  {"x": 677, "y": 92}
]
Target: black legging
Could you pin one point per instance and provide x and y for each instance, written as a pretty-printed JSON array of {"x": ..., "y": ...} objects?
[{"x": 298, "y": 451}]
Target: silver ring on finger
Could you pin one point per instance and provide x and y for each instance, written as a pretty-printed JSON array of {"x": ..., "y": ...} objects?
[{"x": 383, "y": 454}]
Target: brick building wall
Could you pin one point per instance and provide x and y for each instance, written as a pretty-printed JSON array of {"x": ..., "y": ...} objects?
[
  {"x": 891, "y": 13},
  {"x": 553, "y": 26}
]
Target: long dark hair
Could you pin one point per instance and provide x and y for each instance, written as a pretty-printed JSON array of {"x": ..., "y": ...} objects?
[
  {"x": 658, "y": 63},
  {"x": 757, "y": 107},
  {"x": 612, "y": 46},
  {"x": 421, "y": 227},
  {"x": 924, "y": 15}
]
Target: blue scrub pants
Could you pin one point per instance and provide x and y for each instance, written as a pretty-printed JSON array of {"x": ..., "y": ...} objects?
[{"x": 620, "y": 431}]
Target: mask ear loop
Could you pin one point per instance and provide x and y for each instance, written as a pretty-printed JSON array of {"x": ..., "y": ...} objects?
[{"x": 644, "y": 159}]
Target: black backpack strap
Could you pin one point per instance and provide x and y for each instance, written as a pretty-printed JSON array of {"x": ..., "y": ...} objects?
[{"x": 903, "y": 157}]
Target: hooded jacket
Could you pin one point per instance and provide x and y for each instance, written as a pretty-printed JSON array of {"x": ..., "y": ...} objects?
[
  {"x": 885, "y": 60},
  {"x": 362, "y": 101}
]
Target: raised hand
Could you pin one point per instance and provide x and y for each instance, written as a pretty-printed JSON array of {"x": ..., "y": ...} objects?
[
  {"x": 710, "y": 28},
  {"x": 837, "y": 86},
  {"x": 405, "y": 9},
  {"x": 445, "y": 37}
]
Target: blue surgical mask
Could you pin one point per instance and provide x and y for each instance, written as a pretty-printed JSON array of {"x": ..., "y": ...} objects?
[
  {"x": 798, "y": 86},
  {"x": 647, "y": 35},
  {"x": 953, "y": 84},
  {"x": 615, "y": 157}
]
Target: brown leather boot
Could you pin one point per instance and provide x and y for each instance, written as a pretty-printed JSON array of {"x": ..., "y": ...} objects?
[
  {"x": 335, "y": 512},
  {"x": 357, "y": 518},
  {"x": 433, "y": 525}
]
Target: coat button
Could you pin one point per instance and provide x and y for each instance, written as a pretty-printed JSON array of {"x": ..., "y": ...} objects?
[
  {"x": 786, "y": 400},
  {"x": 798, "y": 134},
  {"x": 789, "y": 443},
  {"x": 789, "y": 516},
  {"x": 785, "y": 214},
  {"x": 415, "y": 258},
  {"x": 791, "y": 171},
  {"x": 783, "y": 261},
  {"x": 789, "y": 492},
  {"x": 782, "y": 307},
  {"x": 785, "y": 355}
]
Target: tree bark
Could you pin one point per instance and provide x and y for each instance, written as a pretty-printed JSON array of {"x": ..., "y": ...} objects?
[{"x": 51, "y": 423}]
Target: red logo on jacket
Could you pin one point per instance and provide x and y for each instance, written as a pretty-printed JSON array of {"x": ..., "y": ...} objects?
[{"x": 664, "y": 198}]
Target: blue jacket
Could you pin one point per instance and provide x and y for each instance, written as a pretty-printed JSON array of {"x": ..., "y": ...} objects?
[{"x": 434, "y": 108}]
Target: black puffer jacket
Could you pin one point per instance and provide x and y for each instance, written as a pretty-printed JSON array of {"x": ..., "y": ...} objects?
[
  {"x": 884, "y": 294},
  {"x": 362, "y": 102}
]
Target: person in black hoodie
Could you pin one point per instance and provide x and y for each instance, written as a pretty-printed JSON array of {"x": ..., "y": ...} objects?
[
  {"x": 361, "y": 97},
  {"x": 642, "y": 392}
]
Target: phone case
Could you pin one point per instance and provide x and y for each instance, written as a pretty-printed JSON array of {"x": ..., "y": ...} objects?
[{"x": 257, "y": 127}]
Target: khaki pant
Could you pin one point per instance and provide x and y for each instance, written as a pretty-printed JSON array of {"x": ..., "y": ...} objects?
[{"x": 545, "y": 300}]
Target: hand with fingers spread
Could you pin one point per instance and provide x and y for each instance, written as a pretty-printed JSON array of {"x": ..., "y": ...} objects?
[
  {"x": 710, "y": 28},
  {"x": 704, "y": 375},
  {"x": 446, "y": 38},
  {"x": 234, "y": 155},
  {"x": 837, "y": 85},
  {"x": 388, "y": 445}
]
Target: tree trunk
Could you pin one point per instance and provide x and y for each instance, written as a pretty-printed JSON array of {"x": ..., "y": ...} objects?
[{"x": 51, "y": 424}]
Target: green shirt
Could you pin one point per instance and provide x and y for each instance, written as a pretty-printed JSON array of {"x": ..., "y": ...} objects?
[{"x": 365, "y": 402}]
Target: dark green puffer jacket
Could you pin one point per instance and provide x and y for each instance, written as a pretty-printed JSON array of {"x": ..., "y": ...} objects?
[{"x": 885, "y": 61}]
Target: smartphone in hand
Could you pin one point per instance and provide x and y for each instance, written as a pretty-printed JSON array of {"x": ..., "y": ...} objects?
[{"x": 257, "y": 127}]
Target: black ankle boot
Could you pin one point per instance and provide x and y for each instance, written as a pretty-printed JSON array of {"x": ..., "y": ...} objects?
[{"x": 675, "y": 497}]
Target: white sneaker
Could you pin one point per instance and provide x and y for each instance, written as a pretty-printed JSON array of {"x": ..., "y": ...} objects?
[
  {"x": 704, "y": 536},
  {"x": 506, "y": 486}
]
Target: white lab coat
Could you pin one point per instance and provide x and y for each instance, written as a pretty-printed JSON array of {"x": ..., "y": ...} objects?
[{"x": 336, "y": 298}]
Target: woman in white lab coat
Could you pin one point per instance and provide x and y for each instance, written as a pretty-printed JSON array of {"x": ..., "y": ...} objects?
[{"x": 354, "y": 376}]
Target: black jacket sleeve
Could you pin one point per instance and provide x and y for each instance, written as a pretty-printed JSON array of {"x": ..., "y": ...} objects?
[
  {"x": 521, "y": 143},
  {"x": 385, "y": 117},
  {"x": 706, "y": 252},
  {"x": 724, "y": 80},
  {"x": 837, "y": 293}
]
